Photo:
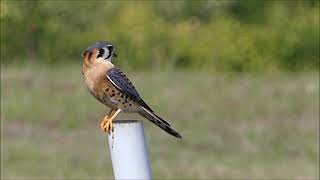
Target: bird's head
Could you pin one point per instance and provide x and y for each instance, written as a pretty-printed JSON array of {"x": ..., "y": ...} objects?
[{"x": 100, "y": 51}]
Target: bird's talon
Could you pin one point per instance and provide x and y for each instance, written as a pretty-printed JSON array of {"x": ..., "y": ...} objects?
[{"x": 106, "y": 125}]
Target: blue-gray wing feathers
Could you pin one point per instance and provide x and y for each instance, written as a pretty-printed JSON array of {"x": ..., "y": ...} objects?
[{"x": 120, "y": 81}]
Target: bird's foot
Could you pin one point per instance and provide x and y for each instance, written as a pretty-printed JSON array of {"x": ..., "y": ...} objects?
[{"x": 107, "y": 125}]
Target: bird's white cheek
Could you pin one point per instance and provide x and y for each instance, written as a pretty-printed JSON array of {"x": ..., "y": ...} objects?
[{"x": 106, "y": 53}]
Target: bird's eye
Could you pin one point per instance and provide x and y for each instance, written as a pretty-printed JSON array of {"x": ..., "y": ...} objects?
[
  {"x": 101, "y": 52},
  {"x": 110, "y": 48}
]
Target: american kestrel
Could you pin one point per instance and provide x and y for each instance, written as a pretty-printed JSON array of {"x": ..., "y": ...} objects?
[{"x": 111, "y": 87}]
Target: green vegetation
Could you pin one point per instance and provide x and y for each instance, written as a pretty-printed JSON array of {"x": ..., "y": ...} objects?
[
  {"x": 236, "y": 36},
  {"x": 251, "y": 68},
  {"x": 243, "y": 126}
]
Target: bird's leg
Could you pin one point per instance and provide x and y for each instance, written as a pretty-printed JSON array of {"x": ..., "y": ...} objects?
[{"x": 107, "y": 122}]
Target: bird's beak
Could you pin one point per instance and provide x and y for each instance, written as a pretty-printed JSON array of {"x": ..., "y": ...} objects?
[{"x": 114, "y": 55}]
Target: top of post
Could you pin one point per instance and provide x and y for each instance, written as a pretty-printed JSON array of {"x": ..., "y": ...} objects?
[{"x": 126, "y": 121}]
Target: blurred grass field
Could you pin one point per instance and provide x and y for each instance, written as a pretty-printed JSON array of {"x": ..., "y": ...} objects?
[{"x": 244, "y": 126}]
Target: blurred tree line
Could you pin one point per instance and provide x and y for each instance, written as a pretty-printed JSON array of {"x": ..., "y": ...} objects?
[{"x": 250, "y": 35}]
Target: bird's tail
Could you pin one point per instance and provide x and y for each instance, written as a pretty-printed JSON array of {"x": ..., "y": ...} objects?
[{"x": 151, "y": 116}]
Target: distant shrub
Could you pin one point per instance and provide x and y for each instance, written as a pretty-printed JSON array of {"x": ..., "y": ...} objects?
[{"x": 236, "y": 36}]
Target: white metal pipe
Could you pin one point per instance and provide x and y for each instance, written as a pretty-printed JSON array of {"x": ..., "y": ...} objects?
[{"x": 129, "y": 151}]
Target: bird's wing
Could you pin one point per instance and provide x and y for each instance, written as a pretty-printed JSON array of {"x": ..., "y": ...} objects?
[{"x": 121, "y": 82}]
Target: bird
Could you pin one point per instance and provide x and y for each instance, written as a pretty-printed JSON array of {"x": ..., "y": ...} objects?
[{"x": 109, "y": 85}]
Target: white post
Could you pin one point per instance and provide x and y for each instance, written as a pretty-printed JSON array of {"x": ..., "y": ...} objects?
[{"x": 129, "y": 151}]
